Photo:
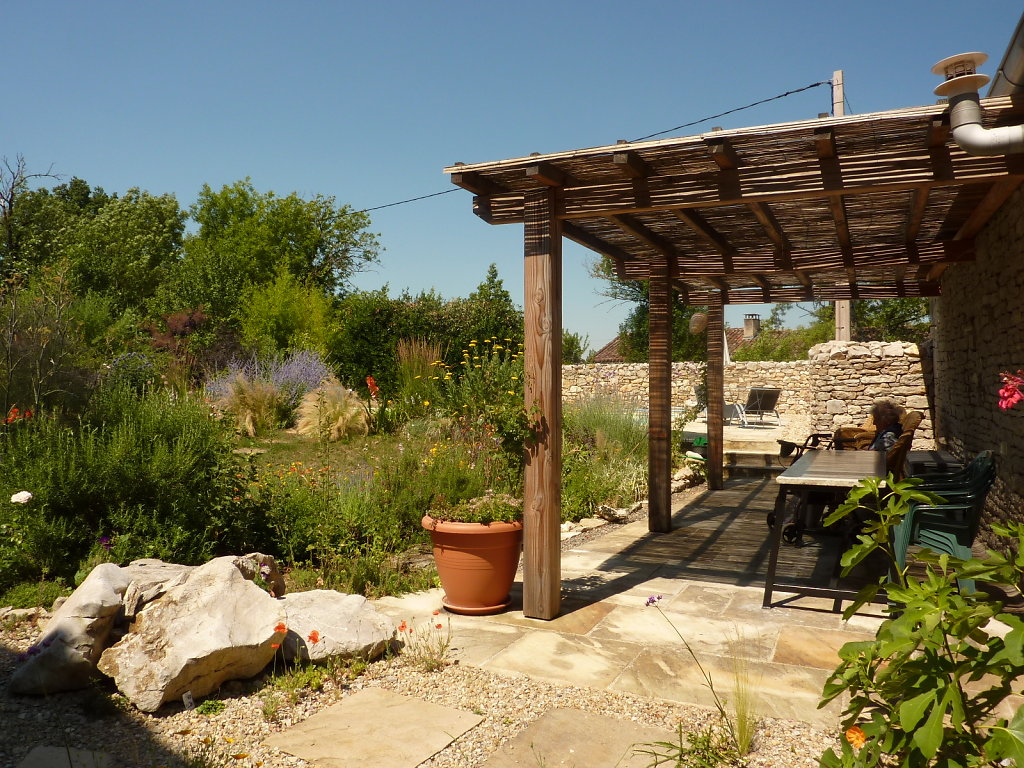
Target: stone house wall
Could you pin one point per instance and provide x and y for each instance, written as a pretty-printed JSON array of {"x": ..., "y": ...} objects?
[
  {"x": 978, "y": 332},
  {"x": 835, "y": 386}
]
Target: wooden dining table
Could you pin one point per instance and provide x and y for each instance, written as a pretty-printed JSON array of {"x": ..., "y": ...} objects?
[{"x": 831, "y": 473}]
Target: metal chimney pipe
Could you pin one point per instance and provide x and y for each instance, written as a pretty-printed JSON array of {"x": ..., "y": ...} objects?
[{"x": 961, "y": 88}]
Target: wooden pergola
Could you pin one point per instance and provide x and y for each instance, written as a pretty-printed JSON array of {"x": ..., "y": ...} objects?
[{"x": 870, "y": 206}]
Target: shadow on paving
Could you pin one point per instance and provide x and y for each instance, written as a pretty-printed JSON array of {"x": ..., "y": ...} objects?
[{"x": 720, "y": 537}]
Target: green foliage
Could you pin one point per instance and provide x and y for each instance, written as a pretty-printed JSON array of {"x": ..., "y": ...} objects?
[
  {"x": 284, "y": 315},
  {"x": 211, "y": 707},
  {"x": 32, "y": 594},
  {"x": 485, "y": 390},
  {"x": 155, "y": 473},
  {"x": 707, "y": 747},
  {"x": 44, "y": 359},
  {"x": 891, "y": 320},
  {"x": 604, "y": 456},
  {"x": 925, "y": 690},
  {"x": 418, "y": 377},
  {"x": 574, "y": 347},
  {"x": 490, "y": 508}
]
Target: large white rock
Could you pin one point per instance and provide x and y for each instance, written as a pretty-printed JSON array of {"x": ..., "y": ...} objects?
[
  {"x": 150, "y": 578},
  {"x": 216, "y": 626},
  {"x": 343, "y": 626},
  {"x": 65, "y": 656}
]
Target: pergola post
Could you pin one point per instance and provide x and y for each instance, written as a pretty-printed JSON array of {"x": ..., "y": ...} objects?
[
  {"x": 542, "y": 503},
  {"x": 659, "y": 451},
  {"x": 716, "y": 395}
]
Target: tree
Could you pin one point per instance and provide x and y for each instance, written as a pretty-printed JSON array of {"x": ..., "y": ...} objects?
[
  {"x": 314, "y": 239},
  {"x": 14, "y": 185},
  {"x": 634, "y": 333},
  {"x": 574, "y": 347}
]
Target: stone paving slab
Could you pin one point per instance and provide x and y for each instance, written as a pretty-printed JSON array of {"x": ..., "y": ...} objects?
[
  {"x": 375, "y": 727},
  {"x": 63, "y": 757},
  {"x": 569, "y": 738},
  {"x": 573, "y": 659},
  {"x": 781, "y": 690}
]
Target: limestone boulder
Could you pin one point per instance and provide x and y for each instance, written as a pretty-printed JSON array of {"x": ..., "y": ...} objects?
[
  {"x": 324, "y": 624},
  {"x": 64, "y": 658},
  {"x": 263, "y": 570},
  {"x": 149, "y": 579},
  {"x": 213, "y": 627}
]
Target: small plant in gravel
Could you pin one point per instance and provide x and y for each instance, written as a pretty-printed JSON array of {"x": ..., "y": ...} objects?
[
  {"x": 709, "y": 746},
  {"x": 429, "y": 647},
  {"x": 211, "y": 707}
]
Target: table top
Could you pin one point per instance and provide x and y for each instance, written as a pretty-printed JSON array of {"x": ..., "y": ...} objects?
[{"x": 838, "y": 469}]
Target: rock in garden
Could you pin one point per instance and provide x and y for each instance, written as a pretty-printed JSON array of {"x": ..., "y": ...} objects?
[
  {"x": 150, "y": 578},
  {"x": 611, "y": 514},
  {"x": 214, "y": 627},
  {"x": 323, "y": 624},
  {"x": 65, "y": 656},
  {"x": 262, "y": 568}
]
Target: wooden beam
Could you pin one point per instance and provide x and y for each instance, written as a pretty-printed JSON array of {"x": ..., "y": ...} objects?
[
  {"x": 766, "y": 287},
  {"x": 659, "y": 450},
  {"x": 918, "y": 205},
  {"x": 832, "y": 178},
  {"x": 631, "y": 165},
  {"x": 643, "y": 233},
  {"x": 709, "y": 234},
  {"x": 477, "y": 184},
  {"x": 715, "y": 394},
  {"x": 542, "y": 585},
  {"x": 579, "y": 235},
  {"x": 938, "y": 130},
  {"x": 997, "y": 194},
  {"x": 547, "y": 174},
  {"x": 723, "y": 153},
  {"x": 771, "y": 226},
  {"x": 784, "y": 294}
]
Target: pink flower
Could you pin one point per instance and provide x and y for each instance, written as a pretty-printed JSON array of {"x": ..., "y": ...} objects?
[{"x": 1012, "y": 391}]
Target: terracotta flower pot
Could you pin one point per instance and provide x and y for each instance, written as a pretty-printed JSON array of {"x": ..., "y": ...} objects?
[{"x": 476, "y": 562}]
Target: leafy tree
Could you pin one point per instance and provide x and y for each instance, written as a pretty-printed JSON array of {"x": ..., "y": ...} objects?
[
  {"x": 891, "y": 319},
  {"x": 314, "y": 239},
  {"x": 634, "y": 333},
  {"x": 574, "y": 347}
]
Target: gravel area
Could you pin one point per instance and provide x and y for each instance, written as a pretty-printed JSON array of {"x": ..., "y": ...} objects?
[{"x": 99, "y": 719}]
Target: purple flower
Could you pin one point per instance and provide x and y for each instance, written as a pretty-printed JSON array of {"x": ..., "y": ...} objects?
[
  {"x": 652, "y": 600},
  {"x": 104, "y": 541}
]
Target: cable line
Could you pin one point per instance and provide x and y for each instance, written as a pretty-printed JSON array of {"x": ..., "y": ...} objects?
[{"x": 642, "y": 138}]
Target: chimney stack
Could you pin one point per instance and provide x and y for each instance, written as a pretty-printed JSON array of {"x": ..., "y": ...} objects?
[{"x": 751, "y": 326}]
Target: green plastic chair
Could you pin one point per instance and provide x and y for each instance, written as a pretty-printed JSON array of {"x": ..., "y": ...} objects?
[{"x": 949, "y": 527}]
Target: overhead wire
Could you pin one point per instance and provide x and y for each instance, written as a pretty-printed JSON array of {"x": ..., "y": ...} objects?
[{"x": 642, "y": 138}]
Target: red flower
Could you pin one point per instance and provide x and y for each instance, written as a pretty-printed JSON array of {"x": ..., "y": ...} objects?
[
  {"x": 281, "y": 627},
  {"x": 314, "y": 637},
  {"x": 439, "y": 626},
  {"x": 374, "y": 389},
  {"x": 401, "y": 627}
]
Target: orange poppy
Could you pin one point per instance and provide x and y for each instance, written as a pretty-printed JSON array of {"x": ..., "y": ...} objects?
[
  {"x": 280, "y": 627},
  {"x": 314, "y": 637}
]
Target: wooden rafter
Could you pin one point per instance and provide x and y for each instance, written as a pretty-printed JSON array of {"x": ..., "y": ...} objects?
[
  {"x": 641, "y": 232},
  {"x": 631, "y": 165}
]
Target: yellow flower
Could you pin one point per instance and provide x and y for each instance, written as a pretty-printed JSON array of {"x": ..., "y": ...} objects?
[
  {"x": 478, "y": 366},
  {"x": 498, "y": 346},
  {"x": 426, "y": 402},
  {"x": 416, "y": 377},
  {"x": 511, "y": 392}
]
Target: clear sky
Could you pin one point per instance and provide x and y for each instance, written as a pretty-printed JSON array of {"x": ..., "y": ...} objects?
[{"x": 368, "y": 101}]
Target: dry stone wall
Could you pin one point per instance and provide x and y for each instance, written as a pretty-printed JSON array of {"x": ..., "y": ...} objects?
[
  {"x": 979, "y": 331},
  {"x": 836, "y": 385}
]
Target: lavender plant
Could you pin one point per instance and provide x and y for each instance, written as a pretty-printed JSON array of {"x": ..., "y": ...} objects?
[{"x": 291, "y": 376}]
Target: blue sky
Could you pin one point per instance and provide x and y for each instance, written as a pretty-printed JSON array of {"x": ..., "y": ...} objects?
[{"x": 368, "y": 101}]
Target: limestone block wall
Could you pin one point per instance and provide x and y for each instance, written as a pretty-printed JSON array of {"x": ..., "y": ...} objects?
[
  {"x": 979, "y": 331},
  {"x": 836, "y": 385}
]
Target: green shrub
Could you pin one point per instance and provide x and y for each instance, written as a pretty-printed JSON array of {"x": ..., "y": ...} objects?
[
  {"x": 34, "y": 594},
  {"x": 155, "y": 473},
  {"x": 256, "y": 405}
]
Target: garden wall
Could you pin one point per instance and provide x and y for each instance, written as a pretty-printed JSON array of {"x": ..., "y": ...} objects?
[
  {"x": 979, "y": 331},
  {"x": 836, "y": 385}
]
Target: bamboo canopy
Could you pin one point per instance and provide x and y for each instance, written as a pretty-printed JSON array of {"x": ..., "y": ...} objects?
[
  {"x": 866, "y": 206},
  {"x": 870, "y": 206}
]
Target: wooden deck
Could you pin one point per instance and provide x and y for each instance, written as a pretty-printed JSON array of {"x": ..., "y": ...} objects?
[{"x": 722, "y": 536}]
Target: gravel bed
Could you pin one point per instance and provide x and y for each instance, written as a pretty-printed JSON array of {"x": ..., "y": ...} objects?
[{"x": 99, "y": 719}]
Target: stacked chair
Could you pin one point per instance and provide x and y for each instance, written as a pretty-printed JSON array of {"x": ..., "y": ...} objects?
[{"x": 949, "y": 527}]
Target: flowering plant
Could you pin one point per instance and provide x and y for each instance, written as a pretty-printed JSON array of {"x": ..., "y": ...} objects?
[
  {"x": 1012, "y": 391},
  {"x": 490, "y": 508}
]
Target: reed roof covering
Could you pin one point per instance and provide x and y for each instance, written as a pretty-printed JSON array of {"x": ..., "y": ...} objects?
[{"x": 857, "y": 207}]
